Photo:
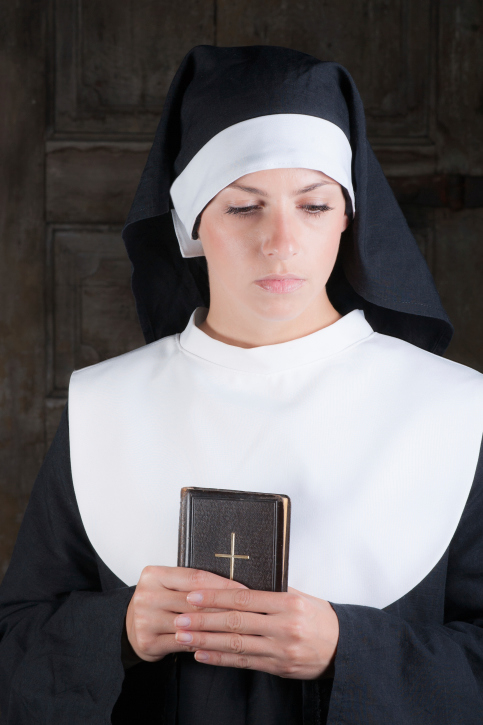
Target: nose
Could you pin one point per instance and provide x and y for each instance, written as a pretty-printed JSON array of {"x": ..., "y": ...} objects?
[{"x": 280, "y": 239}]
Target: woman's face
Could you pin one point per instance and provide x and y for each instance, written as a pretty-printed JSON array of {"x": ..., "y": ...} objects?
[{"x": 271, "y": 239}]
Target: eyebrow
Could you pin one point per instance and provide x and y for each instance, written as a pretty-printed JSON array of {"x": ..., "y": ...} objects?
[{"x": 252, "y": 190}]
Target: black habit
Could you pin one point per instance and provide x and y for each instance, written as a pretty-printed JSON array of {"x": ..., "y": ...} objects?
[{"x": 62, "y": 609}]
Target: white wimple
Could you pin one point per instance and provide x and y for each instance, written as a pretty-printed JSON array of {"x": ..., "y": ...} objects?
[
  {"x": 375, "y": 441},
  {"x": 278, "y": 141}
]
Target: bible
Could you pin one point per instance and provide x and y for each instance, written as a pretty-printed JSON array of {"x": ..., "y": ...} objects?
[{"x": 237, "y": 534}]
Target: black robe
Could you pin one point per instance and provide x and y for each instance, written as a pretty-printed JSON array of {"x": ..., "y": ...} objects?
[{"x": 62, "y": 611}]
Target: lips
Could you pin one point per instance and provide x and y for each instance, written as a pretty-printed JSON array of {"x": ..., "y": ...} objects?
[{"x": 280, "y": 285}]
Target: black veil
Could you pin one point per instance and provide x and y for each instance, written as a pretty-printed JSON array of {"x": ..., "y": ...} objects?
[{"x": 379, "y": 268}]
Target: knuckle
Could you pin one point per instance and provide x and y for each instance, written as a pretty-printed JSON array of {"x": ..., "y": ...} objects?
[
  {"x": 197, "y": 577},
  {"x": 235, "y": 644},
  {"x": 198, "y": 621},
  {"x": 234, "y": 621},
  {"x": 137, "y": 598},
  {"x": 297, "y": 603},
  {"x": 150, "y": 572},
  {"x": 160, "y": 572},
  {"x": 201, "y": 640},
  {"x": 295, "y": 629},
  {"x": 242, "y": 662},
  {"x": 243, "y": 597},
  {"x": 287, "y": 670},
  {"x": 140, "y": 599},
  {"x": 292, "y": 655},
  {"x": 144, "y": 641},
  {"x": 139, "y": 623}
]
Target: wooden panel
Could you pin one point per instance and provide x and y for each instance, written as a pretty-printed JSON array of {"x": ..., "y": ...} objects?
[
  {"x": 114, "y": 61},
  {"x": 22, "y": 239},
  {"x": 385, "y": 44},
  {"x": 452, "y": 190},
  {"x": 53, "y": 412},
  {"x": 402, "y": 160},
  {"x": 91, "y": 315},
  {"x": 460, "y": 82},
  {"x": 92, "y": 182},
  {"x": 458, "y": 271}
]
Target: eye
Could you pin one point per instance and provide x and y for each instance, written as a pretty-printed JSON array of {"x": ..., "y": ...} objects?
[
  {"x": 245, "y": 210},
  {"x": 313, "y": 209},
  {"x": 316, "y": 209}
]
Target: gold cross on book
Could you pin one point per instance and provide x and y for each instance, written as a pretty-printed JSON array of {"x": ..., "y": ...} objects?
[{"x": 232, "y": 556}]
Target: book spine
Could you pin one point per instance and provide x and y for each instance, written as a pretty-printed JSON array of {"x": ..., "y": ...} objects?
[
  {"x": 183, "y": 523},
  {"x": 287, "y": 509}
]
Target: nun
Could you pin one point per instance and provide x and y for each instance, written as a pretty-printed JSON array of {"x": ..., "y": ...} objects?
[{"x": 294, "y": 339}]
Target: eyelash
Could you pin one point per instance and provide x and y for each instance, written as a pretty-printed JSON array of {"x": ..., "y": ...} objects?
[{"x": 247, "y": 210}]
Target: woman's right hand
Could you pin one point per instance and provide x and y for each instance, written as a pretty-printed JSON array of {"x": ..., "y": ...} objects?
[{"x": 159, "y": 597}]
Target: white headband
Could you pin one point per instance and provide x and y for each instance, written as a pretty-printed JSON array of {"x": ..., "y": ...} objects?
[{"x": 278, "y": 141}]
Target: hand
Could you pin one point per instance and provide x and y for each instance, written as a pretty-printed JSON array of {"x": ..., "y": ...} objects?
[
  {"x": 289, "y": 634},
  {"x": 158, "y": 598}
]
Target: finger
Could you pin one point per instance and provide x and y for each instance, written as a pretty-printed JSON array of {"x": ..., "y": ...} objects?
[
  {"x": 185, "y": 579},
  {"x": 230, "y": 643},
  {"x": 222, "y": 659},
  {"x": 172, "y": 601},
  {"x": 149, "y": 630},
  {"x": 159, "y": 647},
  {"x": 248, "y": 600},
  {"x": 229, "y": 621},
  {"x": 157, "y": 601}
]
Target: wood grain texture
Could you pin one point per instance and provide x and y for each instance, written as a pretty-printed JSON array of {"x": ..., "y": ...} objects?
[
  {"x": 458, "y": 271},
  {"x": 114, "y": 61},
  {"x": 22, "y": 339},
  {"x": 92, "y": 182},
  {"x": 460, "y": 86},
  {"x": 91, "y": 314}
]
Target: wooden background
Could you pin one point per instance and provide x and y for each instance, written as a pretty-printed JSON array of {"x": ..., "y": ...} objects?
[{"x": 82, "y": 84}]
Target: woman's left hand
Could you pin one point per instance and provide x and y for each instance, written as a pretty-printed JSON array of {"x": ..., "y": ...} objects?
[{"x": 289, "y": 634}]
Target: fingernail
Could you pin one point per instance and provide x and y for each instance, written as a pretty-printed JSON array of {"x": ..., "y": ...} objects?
[
  {"x": 184, "y": 637},
  {"x": 201, "y": 656},
  {"x": 182, "y": 621},
  {"x": 195, "y": 597}
]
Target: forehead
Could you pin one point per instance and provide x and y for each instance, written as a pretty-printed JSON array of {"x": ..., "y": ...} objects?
[{"x": 291, "y": 177}]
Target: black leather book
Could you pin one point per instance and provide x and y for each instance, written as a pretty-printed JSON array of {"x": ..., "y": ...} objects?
[{"x": 237, "y": 534}]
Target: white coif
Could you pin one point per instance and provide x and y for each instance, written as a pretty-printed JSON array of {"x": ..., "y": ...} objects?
[
  {"x": 375, "y": 441},
  {"x": 277, "y": 141}
]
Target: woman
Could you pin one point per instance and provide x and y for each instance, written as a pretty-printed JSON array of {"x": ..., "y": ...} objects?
[{"x": 310, "y": 367}]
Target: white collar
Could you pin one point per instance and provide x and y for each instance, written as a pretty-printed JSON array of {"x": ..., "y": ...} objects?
[
  {"x": 265, "y": 359},
  {"x": 375, "y": 441}
]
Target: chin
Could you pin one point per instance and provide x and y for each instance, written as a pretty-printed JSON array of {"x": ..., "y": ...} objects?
[{"x": 280, "y": 310}]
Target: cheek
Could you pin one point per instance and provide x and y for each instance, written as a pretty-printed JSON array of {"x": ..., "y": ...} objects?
[
  {"x": 227, "y": 253},
  {"x": 325, "y": 242}
]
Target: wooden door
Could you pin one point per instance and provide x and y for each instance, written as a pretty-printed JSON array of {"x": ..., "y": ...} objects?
[{"x": 83, "y": 84}]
